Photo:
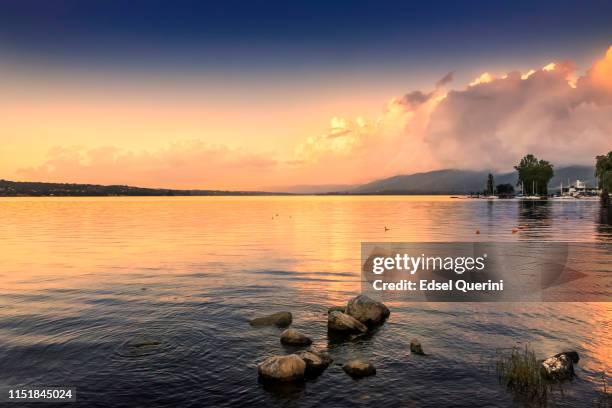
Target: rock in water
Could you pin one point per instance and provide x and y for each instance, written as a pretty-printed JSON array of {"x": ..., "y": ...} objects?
[
  {"x": 294, "y": 338},
  {"x": 336, "y": 309},
  {"x": 416, "y": 348},
  {"x": 280, "y": 319},
  {"x": 573, "y": 355},
  {"x": 560, "y": 366},
  {"x": 367, "y": 311},
  {"x": 282, "y": 368},
  {"x": 316, "y": 362},
  {"x": 141, "y": 346},
  {"x": 358, "y": 368},
  {"x": 144, "y": 343},
  {"x": 341, "y": 322}
]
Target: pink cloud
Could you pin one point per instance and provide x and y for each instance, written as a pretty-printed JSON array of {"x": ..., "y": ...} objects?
[
  {"x": 490, "y": 124},
  {"x": 493, "y": 123}
]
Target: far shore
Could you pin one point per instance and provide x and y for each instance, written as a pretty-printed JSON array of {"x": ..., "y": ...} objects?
[{"x": 43, "y": 189}]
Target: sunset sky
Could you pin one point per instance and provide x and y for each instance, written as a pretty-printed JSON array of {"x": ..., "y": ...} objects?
[{"x": 273, "y": 94}]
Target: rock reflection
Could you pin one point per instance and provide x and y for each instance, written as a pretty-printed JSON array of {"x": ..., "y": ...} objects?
[{"x": 283, "y": 391}]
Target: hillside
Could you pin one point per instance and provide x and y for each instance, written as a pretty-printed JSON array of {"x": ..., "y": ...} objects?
[{"x": 452, "y": 181}]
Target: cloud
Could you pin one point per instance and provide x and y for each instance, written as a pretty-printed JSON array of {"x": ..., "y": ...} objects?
[
  {"x": 445, "y": 80},
  {"x": 490, "y": 124},
  {"x": 187, "y": 164},
  {"x": 601, "y": 73},
  {"x": 549, "y": 112},
  {"x": 359, "y": 150},
  {"x": 597, "y": 84},
  {"x": 484, "y": 78}
]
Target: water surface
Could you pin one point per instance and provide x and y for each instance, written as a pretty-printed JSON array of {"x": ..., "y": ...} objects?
[{"x": 82, "y": 279}]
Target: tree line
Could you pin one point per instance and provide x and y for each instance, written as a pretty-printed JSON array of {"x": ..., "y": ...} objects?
[{"x": 535, "y": 174}]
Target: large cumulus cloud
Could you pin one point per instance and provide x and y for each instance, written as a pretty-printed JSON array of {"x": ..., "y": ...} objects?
[
  {"x": 359, "y": 150},
  {"x": 548, "y": 112},
  {"x": 491, "y": 123}
]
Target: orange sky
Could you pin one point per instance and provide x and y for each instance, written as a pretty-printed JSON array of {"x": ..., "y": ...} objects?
[
  {"x": 162, "y": 119},
  {"x": 234, "y": 133}
]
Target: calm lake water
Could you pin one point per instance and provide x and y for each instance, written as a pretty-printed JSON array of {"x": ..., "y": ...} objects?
[{"x": 80, "y": 278}]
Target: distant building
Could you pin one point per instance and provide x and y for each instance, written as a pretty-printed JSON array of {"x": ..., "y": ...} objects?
[{"x": 578, "y": 189}]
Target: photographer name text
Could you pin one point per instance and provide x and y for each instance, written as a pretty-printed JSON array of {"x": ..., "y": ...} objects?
[{"x": 425, "y": 285}]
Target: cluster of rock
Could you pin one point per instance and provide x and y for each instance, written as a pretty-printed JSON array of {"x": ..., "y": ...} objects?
[{"x": 360, "y": 315}]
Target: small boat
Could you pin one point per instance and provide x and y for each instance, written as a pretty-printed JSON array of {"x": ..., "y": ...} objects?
[
  {"x": 562, "y": 196},
  {"x": 532, "y": 196}
]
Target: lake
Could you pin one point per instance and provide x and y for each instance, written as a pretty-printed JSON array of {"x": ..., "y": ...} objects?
[{"x": 81, "y": 278}]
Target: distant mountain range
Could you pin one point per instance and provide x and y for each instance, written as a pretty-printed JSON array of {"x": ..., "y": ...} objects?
[
  {"x": 448, "y": 181},
  {"x": 453, "y": 181},
  {"x": 307, "y": 189}
]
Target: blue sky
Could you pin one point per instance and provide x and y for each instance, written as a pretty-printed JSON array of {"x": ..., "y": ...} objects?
[{"x": 248, "y": 36}]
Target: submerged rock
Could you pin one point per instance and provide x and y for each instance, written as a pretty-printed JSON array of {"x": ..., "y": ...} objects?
[
  {"x": 368, "y": 311},
  {"x": 141, "y": 346},
  {"x": 336, "y": 309},
  {"x": 416, "y": 348},
  {"x": 358, "y": 368},
  {"x": 280, "y": 319},
  {"x": 282, "y": 368},
  {"x": 294, "y": 338},
  {"x": 143, "y": 343},
  {"x": 316, "y": 362},
  {"x": 560, "y": 366},
  {"x": 341, "y": 322}
]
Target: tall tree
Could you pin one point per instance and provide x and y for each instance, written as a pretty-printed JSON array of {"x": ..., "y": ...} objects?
[
  {"x": 490, "y": 185},
  {"x": 603, "y": 171},
  {"x": 505, "y": 189},
  {"x": 534, "y": 174}
]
